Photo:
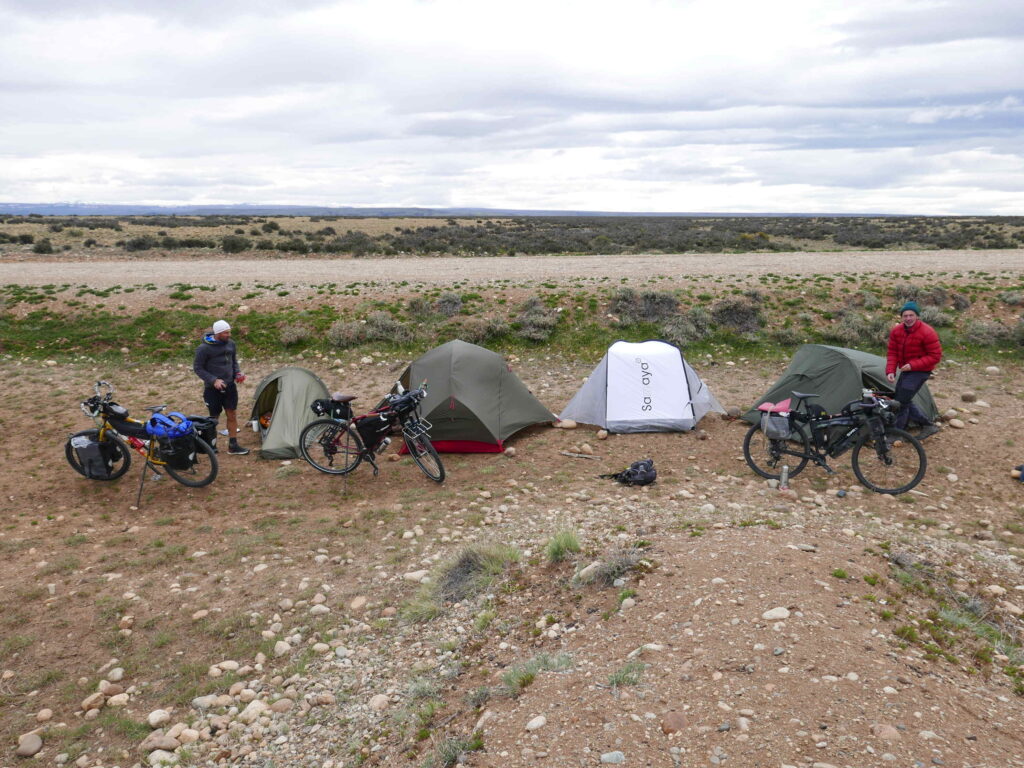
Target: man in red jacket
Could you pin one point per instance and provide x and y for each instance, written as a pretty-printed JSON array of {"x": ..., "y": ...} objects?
[{"x": 914, "y": 351}]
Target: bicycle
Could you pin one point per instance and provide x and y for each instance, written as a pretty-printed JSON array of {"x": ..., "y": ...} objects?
[
  {"x": 339, "y": 443},
  {"x": 884, "y": 459},
  {"x": 192, "y": 462}
]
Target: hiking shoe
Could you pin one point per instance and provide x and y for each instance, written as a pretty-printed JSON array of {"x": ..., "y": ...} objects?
[
  {"x": 236, "y": 450},
  {"x": 928, "y": 430}
]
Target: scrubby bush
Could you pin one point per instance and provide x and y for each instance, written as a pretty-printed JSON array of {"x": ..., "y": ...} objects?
[
  {"x": 984, "y": 333},
  {"x": 449, "y": 304},
  {"x": 936, "y": 317},
  {"x": 140, "y": 243},
  {"x": 905, "y": 293},
  {"x": 786, "y": 337},
  {"x": 535, "y": 322},
  {"x": 294, "y": 333},
  {"x": 345, "y": 333},
  {"x": 381, "y": 326},
  {"x": 480, "y": 329},
  {"x": 1013, "y": 298},
  {"x": 739, "y": 315},
  {"x": 855, "y": 329},
  {"x": 646, "y": 307},
  {"x": 235, "y": 243},
  {"x": 682, "y": 331},
  {"x": 1017, "y": 333},
  {"x": 961, "y": 302},
  {"x": 43, "y": 246}
]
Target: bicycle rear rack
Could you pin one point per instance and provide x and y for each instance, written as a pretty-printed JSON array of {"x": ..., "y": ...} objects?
[{"x": 415, "y": 429}]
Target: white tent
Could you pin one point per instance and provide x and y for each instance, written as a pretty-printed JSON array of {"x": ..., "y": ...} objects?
[{"x": 645, "y": 387}]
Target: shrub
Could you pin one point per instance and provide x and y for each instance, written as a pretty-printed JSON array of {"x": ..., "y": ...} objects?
[
  {"x": 479, "y": 329},
  {"x": 473, "y": 570},
  {"x": 294, "y": 333},
  {"x": 449, "y": 304},
  {"x": 419, "y": 308},
  {"x": 43, "y": 246},
  {"x": 1017, "y": 334},
  {"x": 681, "y": 331},
  {"x": 961, "y": 302},
  {"x": 738, "y": 315},
  {"x": 235, "y": 244},
  {"x": 647, "y": 307},
  {"x": 936, "y": 317},
  {"x": 905, "y": 293},
  {"x": 629, "y": 674},
  {"x": 345, "y": 333},
  {"x": 266, "y": 244},
  {"x": 984, "y": 333},
  {"x": 141, "y": 243},
  {"x": 381, "y": 326},
  {"x": 855, "y": 329},
  {"x": 1013, "y": 298},
  {"x": 535, "y": 322},
  {"x": 26, "y": 239},
  {"x": 618, "y": 563}
]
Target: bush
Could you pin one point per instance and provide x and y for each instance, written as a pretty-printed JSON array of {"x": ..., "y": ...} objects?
[
  {"x": 561, "y": 545},
  {"x": 961, "y": 302},
  {"x": 535, "y": 322},
  {"x": 681, "y": 331},
  {"x": 235, "y": 244},
  {"x": 381, "y": 326},
  {"x": 449, "y": 304},
  {"x": 984, "y": 334},
  {"x": 294, "y": 333},
  {"x": 43, "y": 246},
  {"x": 936, "y": 317},
  {"x": 855, "y": 329},
  {"x": 344, "y": 334},
  {"x": 1013, "y": 298},
  {"x": 647, "y": 307},
  {"x": 479, "y": 329},
  {"x": 738, "y": 315},
  {"x": 141, "y": 243}
]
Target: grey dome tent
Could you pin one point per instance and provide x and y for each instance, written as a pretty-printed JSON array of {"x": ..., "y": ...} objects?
[
  {"x": 644, "y": 387},
  {"x": 286, "y": 395},
  {"x": 474, "y": 400},
  {"x": 837, "y": 375}
]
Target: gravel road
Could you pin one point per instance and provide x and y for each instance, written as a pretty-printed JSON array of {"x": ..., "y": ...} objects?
[{"x": 442, "y": 270}]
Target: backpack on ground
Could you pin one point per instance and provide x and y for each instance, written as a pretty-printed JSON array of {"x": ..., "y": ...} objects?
[{"x": 638, "y": 473}]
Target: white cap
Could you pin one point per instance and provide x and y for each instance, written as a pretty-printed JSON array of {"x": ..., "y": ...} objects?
[{"x": 220, "y": 326}]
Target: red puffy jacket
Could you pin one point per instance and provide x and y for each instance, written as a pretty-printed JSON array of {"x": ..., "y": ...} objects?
[{"x": 918, "y": 346}]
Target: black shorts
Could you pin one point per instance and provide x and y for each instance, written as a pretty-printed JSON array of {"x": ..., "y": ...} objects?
[{"x": 218, "y": 400}]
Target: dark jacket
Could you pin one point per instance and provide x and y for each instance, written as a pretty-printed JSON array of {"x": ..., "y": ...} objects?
[
  {"x": 919, "y": 346},
  {"x": 216, "y": 360}
]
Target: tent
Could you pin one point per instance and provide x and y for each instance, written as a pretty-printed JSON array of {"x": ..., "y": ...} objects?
[
  {"x": 474, "y": 400},
  {"x": 645, "y": 387},
  {"x": 285, "y": 395},
  {"x": 837, "y": 375}
]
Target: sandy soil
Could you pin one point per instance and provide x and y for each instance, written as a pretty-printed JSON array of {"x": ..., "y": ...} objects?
[{"x": 441, "y": 270}]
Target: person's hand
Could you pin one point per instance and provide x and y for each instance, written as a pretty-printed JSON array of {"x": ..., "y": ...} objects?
[
  {"x": 891, "y": 377},
  {"x": 219, "y": 384},
  {"x": 239, "y": 377},
  {"x": 905, "y": 367}
]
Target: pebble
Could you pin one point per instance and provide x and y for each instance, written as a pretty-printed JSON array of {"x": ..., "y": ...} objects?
[
  {"x": 968, "y": 396},
  {"x": 158, "y": 717},
  {"x": 358, "y": 603},
  {"x": 707, "y": 509},
  {"x": 566, "y": 424},
  {"x": 992, "y": 370},
  {"x": 957, "y": 424},
  {"x": 43, "y": 715},
  {"x": 28, "y": 745},
  {"x": 613, "y": 758},
  {"x": 885, "y": 732},
  {"x": 281, "y": 648},
  {"x": 379, "y": 702},
  {"x": 416, "y": 576},
  {"x": 161, "y": 757},
  {"x": 673, "y": 722},
  {"x": 776, "y": 614},
  {"x": 538, "y": 722}
]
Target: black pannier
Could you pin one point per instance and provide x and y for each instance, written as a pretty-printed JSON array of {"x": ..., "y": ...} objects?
[
  {"x": 92, "y": 457},
  {"x": 206, "y": 429},
  {"x": 178, "y": 452},
  {"x": 331, "y": 408},
  {"x": 372, "y": 430}
]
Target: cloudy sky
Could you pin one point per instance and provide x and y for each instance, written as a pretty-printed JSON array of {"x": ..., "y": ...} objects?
[{"x": 899, "y": 106}]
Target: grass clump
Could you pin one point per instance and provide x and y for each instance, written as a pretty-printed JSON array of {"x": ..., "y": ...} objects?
[
  {"x": 617, "y": 564},
  {"x": 535, "y": 322},
  {"x": 451, "y": 750},
  {"x": 470, "y": 573},
  {"x": 561, "y": 545},
  {"x": 739, "y": 315},
  {"x": 839, "y": 573},
  {"x": 519, "y": 677},
  {"x": 628, "y": 674}
]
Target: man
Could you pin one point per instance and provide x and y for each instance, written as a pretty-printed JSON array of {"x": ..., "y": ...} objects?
[
  {"x": 217, "y": 365},
  {"x": 914, "y": 351}
]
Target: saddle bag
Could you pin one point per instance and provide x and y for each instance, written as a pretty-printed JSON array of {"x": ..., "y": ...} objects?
[
  {"x": 178, "y": 452},
  {"x": 776, "y": 426},
  {"x": 373, "y": 429},
  {"x": 92, "y": 458},
  {"x": 332, "y": 409},
  {"x": 206, "y": 429}
]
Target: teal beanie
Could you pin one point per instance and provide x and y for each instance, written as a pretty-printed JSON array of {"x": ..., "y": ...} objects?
[{"x": 912, "y": 306}]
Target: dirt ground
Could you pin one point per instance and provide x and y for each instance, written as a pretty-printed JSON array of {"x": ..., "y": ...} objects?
[{"x": 850, "y": 677}]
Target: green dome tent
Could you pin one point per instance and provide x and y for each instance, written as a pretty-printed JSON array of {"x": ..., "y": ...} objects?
[
  {"x": 286, "y": 394},
  {"x": 837, "y": 375},
  {"x": 474, "y": 400}
]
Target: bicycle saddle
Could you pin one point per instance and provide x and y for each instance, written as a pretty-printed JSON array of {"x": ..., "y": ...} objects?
[
  {"x": 802, "y": 395},
  {"x": 155, "y": 409},
  {"x": 338, "y": 397},
  {"x": 780, "y": 407}
]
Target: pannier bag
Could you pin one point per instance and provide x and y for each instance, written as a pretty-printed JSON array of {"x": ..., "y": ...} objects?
[
  {"x": 331, "y": 408},
  {"x": 776, "y": 427},
  {"x": 178, "y": 452},
  {"x": 206, "y": 428},
  {"x": 372, "y": 430},
  {"x": 638, "y": 473},
  {"x": 92, "y": 457}
]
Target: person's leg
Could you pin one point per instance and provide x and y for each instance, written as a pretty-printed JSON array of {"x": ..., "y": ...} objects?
[
  {"x": 214, "y": 401},
  {"x": 231, "y": 416},
  {"x": 906, "y": 387}
]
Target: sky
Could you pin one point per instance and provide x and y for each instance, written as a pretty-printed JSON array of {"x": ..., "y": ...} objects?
[{"x": 734, "y": 106}]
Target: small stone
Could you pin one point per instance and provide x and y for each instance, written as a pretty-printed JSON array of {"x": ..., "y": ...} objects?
[
  {"x": 586, "y": 449},
  {"x": 379, "y": 702},
  {"x": 707, "y": 509},
  {"x": 992, "y": 370},
  {"x": 968, "y": 396},
  {"x": 587, "y": 575},
  {"x": 161, "y": 757},
  {"x": 957, "y": 424},
  {"x": 94, "y": 701},
  {"x": 732, "y": 413},
  {"x": 116, "y": 675},
  {"x": 282, "y": 705},
  {"x": 885, "y": 732},
  {"x": 319, "y": 610},
  {"x": 628, "y": 603},
  {"x": 358, "y": 603},
  {"x": 538, "y": 722},
  {"x": 510, "y": 451},
  {"x": 565, "y": 424},
  {"x": 776, "y": 614},
  {"x": 252, "y": 712},
  {"x": 28, "y": 745},
  {"x": 281, "y": 648},
  {"x": 118, "y": 700},
  {"x": 158, "y": 717},
  {"x": 43, "y": 715},
  {"x": 602, "y": 434},
  {"x": 416, "y": 576},
  {"x": 613, "y": 758}
]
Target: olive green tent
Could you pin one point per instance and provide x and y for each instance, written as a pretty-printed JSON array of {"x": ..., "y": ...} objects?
[
  {"x": 285, "y": 395},
  {"x": 474, "y": 401},
  {"x": 837, "y": 376}
]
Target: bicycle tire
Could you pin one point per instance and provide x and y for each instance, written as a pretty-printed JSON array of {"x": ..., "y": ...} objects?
[
  {"x": 326, "y": 441},
  {"x": 203, "y": 470},
  {"x": 121, "y": 465},
  {"x": 896, "y": 469},
  {"x": 765, "y": 455},
  {"x": 425, "y": 455}
]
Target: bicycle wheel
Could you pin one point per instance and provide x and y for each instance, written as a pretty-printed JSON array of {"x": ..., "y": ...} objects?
[
  {"x": 122, "y": 456},
  {"x": 203, "y": 470},
  {"x": 767, "y": 457},
  {"x": 425, "y": 455},
  {"x": 331, "y": 446},
  {"x": 894, "y": 465}
]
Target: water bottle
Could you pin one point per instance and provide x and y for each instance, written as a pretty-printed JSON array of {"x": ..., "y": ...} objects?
[
  {"x": 784, "y": 478},
  {"x": 383, "y": 445},
  {"x": 135, "y": 443}
]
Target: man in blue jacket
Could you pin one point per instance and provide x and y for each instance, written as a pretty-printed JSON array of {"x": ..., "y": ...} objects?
[{"x": 216, "y": 363}]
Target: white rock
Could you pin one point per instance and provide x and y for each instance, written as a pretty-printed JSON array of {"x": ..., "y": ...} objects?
[
  {"x": 319, "y": 610},
  {"x": 538, "y": 722},
  {"x": 566, "y": 424},
  {"x": 991, "y": 370},
  {"x": 281, "y": 648},
  {"x": 158, "y": 717},
  {"x": 160, "y": 757},
  {"x": 379, "y": 702},
  {"x": 252, "y": 712},
  {"x": 776, "y": 614},
  {"x": 416, "y": 576}
]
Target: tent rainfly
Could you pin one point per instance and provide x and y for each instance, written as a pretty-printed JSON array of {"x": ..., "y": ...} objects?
[
  {"x": 286, "y": 395},
  {"x": 474, "y": 400},
  {"x": 644, "y": 387},
  {"x": 836, "y": 375}
]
